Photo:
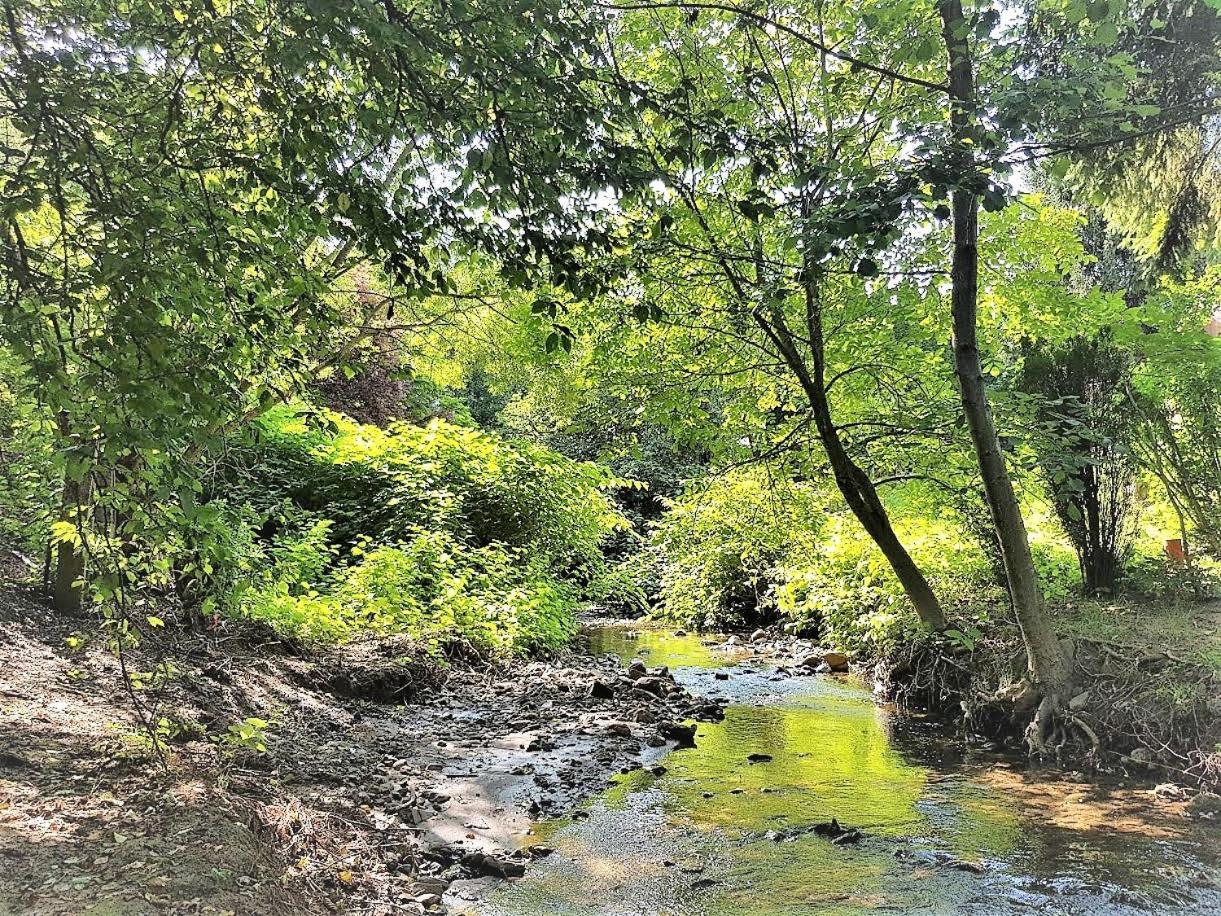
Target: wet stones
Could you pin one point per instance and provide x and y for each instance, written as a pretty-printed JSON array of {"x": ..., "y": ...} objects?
[
  {"x": 822, "y": 662},
  {"x": 682, "y": 734},
  {"x": 654, "y": 685},
  {"x": 600, "y": 690},
  {"x": 758, "y": 758},
  {"x": 481, "y": 863}
]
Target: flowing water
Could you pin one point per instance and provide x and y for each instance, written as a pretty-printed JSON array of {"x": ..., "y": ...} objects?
[{"x": 945, "y": 831}]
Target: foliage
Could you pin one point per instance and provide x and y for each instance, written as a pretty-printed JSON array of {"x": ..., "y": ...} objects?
[
  {"x": 751, "y": 546},
  {"x": 389, "y": 484},
  {"x": 1084, "y": 423},
  {"x": 250, "y": 733},
  {"x": 433, "y": 589},
  {"x": 722, "y": 546},
  {"x": 439, "y": 531}
]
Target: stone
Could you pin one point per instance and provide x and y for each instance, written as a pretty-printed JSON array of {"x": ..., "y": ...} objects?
[
  {"x": 721, "y": 675},
  {"x": 1080, "y": 701},
  {"x": 681, "y": 734},
  {"x": 1141, "y": 755},
  {"x": 758, "y": 635},
  {"x": 811, "y": 661},
  {"x": 974, "y": 868},
  {"x": 654, "y": 685},
  {"x": 759, "y": 758},
  {"x": 836, "y": 661},
  {"x": 495, "y": 866},
  {"x": 636, "y": 669},
  {"x": 600, "y": 690}
]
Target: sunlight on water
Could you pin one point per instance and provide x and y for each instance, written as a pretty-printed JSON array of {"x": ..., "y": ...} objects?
[{"x": 717, "y": 834}]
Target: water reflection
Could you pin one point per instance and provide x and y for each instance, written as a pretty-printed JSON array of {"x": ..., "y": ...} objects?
[{"x": 946, "y": 833}]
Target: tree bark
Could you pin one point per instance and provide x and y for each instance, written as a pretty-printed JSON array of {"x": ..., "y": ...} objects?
[
  {"x": 67, "y": 583},
  {"x": 1049, "y": 667},
  {"x": 858, "y": 490}
]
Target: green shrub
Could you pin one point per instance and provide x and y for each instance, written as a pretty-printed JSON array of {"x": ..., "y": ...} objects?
[
  {"x": 443, "y": 533},
  {"x": 389, "y": 484},
  {"x": 749, "y": 548},
  {"x": 722, "y": 547},
  {"x": 433, "y": 589}
]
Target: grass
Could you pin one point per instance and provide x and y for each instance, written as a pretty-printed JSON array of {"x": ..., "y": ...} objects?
[{"x": 1187, "y": 630}]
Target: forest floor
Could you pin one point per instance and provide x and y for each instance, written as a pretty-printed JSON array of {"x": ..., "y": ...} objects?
[{"x": 382, "y": 781}]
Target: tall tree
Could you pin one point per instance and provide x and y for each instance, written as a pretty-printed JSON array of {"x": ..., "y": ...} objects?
[{"x": 186, "y": 187}]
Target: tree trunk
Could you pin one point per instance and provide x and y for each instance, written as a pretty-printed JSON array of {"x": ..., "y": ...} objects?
[
  {"x": 1049, "y": 667},
  {"x": 66, "y": 586},
  {"x": 858, "y": 490}
]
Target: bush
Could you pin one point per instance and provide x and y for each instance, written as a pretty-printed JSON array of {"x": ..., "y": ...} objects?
[
  {"x": 749, "y": 549},
  {"x": 433, "y": 589},
  {"x": 389, "y": 484},
  {"x": 439, "y": 532},
  {"x": 722, "y": 547}
]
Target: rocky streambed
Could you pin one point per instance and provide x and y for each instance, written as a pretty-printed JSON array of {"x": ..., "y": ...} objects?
[
  {"x": 808, "y": 797},
  {"x": 644, "y": 771}
]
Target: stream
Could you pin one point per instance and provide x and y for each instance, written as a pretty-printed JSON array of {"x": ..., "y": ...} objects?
[{"x": 946, "y": 829}]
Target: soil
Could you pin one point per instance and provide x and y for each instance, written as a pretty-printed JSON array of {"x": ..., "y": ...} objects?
[{"x": 383, "y": 780}]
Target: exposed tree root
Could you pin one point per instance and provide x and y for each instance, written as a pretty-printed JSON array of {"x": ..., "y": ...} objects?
[{"x": 1130, "y": 709}]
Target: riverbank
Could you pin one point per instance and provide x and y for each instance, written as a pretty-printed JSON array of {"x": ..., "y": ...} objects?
[{"x": 294, "y": 782}]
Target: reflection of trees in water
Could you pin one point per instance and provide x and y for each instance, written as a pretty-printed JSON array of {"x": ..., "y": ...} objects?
[{"x": 827, "y": 763}]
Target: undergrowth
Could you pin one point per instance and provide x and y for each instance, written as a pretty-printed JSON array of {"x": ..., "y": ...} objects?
[{"x": 438, "y": 532}]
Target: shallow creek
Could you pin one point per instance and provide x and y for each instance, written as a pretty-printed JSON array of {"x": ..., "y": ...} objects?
[{"x": 946, "y": 830}]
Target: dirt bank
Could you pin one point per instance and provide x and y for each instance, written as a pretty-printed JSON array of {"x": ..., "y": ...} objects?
[{"x": 383, "y": 780}]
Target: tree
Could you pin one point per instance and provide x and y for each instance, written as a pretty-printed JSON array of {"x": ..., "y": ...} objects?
[
  {"x": 1049, "y": 666},
  {"x": 186, "y": 188},
  {"x": 1085, "y": 424},
  {"x": 773, "y": 197}
]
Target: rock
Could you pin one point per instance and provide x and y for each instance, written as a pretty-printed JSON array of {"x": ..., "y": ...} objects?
[
  {"x": 828, "y": 828},
  {"x": 1142, "y": 756},
  {"x": 1205, "y": 805},
  {"x": 652, "y": 684},
  {"x": 636, "y": 669},
  {"x": 655, "y": 741},
  {"x": 731, "y": 641},
  {"x": 600, "y": 690},
  {"x": 848, "y": 837},
  {"x": 681, "y": 734},
  {"x": 680, "y": 632},
  {"x": 658, "y": 770},
  {"x": 495, "y": 866},
  {"x": 759, "y": 758},
  {"x": 758, "y": 635},
  {"x": 811, "y": 661},
  {"x": 1080, "y": 701},
  {"x": 836, "y": 661},
  {"x": 423, "y": 886},
  {"x": 1168, "y": 791},
  {"x": 721, "y": 675},
  {"x": 974, "y": 868}
]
